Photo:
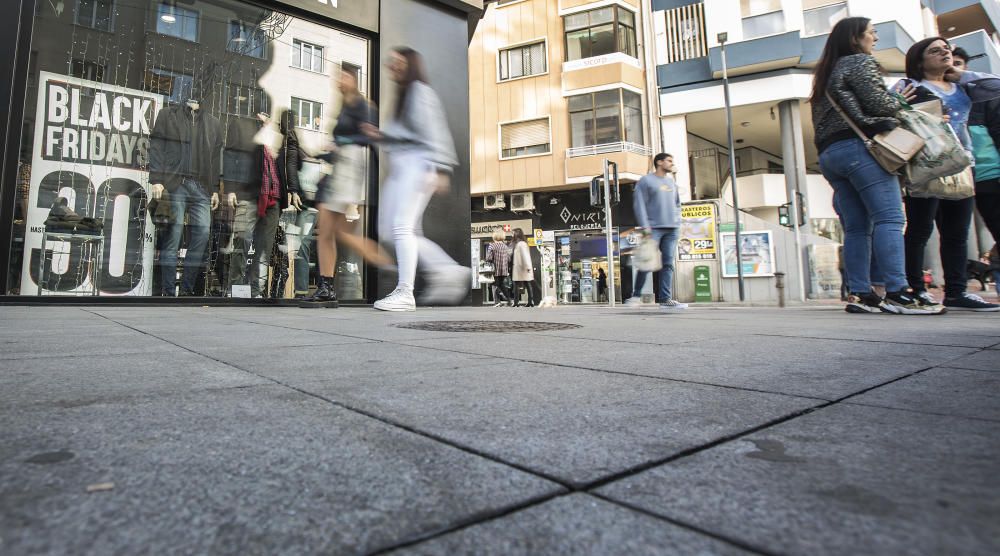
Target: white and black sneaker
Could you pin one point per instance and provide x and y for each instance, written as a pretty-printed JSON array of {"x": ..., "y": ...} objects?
[
  {"x": 860, "y": 303},
  {"x": 672, "y": 305},
  {"x": 927, "y": 300},
  {"x": 970, "y": 302},
  {"x": 903, "y": 303}
]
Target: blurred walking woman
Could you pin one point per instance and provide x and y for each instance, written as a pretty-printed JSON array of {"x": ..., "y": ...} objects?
[
  {"x": 866, "y": 197},
  {"x": 344, "y": 188},
  {"x": 421, "y": 155}
]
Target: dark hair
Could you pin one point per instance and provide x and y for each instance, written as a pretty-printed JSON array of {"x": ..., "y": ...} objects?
[
  {"x": 844, "y": 40},
  {"x": 518, "y": 236},
  {"x": 915, "y": 57},
  {"x": 959, "y": 52},
  {"x": 414, "y": 72},
  {"x": 661, "y": 157}
]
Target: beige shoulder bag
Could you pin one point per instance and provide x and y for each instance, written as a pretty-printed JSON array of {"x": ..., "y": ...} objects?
[{"x": 891, "y": 149}]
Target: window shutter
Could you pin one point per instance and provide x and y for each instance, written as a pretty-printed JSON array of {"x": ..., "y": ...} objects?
[{"x": 524, "y": 134}]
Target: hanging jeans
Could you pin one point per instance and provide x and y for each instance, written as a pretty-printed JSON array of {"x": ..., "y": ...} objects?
[
  {"x": 188, "y": 199},
  {"x": 870, "y": 206},
  {"x": 405, "y": 195}
]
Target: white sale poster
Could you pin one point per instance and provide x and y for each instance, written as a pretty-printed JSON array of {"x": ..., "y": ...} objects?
[{"x": 91, "y": 148}]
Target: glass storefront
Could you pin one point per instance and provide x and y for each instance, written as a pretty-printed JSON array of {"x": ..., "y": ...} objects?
[
  {"x": 142, "y": 169},
  {"x": 581, "y": 259}
]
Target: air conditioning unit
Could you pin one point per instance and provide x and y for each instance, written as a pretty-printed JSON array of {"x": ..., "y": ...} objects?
[
  {"x": 494, "y": 201},
  {"x": 522, "y": 202}
]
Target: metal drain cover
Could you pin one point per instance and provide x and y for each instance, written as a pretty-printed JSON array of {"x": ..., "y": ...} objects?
[{"x": 499, "y": 326}]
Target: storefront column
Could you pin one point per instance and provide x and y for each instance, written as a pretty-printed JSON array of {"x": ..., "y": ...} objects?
[
  {"x": 794, "y": 161},
  {"x": 675, "y": 142}
]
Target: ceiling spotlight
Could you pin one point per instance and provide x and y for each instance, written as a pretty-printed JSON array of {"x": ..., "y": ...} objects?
[
  {"x": 168, "y": 16},
  {"x": 951, "y": 29}
]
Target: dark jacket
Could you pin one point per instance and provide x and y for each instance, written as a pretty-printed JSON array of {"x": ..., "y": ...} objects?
[
  {"x": 348, "y": 128},
  {"x": 184, "y": 144},
  {"x": 244, "y": 162},
  {"x": 856, "y": 84}
]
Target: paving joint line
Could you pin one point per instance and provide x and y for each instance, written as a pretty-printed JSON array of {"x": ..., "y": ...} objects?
[
  {"x": 865, "y": 341},
  {"x": 919, "y": 412}
]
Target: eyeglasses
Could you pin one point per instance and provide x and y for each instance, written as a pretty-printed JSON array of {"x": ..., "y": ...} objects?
[{"x": 938, "y": 50}]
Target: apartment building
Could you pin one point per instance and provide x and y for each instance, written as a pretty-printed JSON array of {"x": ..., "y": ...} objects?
[
  {"x": 771, "y": 49},
  {"x": 557, "y": 87}
]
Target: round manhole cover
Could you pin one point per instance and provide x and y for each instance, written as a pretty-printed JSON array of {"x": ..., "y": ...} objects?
[{"x": 486, "y": 326}]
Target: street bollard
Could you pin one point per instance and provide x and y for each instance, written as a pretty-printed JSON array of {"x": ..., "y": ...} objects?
[{"x": 779, "y": 282}]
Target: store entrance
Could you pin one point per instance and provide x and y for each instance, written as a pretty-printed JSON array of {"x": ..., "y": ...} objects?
[{"x": 582, "y": 266}]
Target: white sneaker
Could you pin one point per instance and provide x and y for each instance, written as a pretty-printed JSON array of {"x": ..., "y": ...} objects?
[
  {"x": 633, "y": 302},
  {"x": 399, "y": 300},
  {"x": 672, "y": 305},
  {"x": 448, "y": 286}
]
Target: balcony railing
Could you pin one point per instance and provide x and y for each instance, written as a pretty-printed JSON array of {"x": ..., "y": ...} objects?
[{"x": 621, "y": 147}]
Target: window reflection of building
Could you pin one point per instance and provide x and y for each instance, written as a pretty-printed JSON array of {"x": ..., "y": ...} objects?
[
  {"x": 96, "y": 14},
  {"x": 307, "y": 56},
  {"x": 310, "y": 113},
  {"x": 246, "y": 40},
  {"x": 177, "y": 21},
  {"x": 176, "y": 87},
  {"x": 245, "y": 100}
]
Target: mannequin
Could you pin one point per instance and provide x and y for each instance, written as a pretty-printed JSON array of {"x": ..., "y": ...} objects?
[{"x": 184, "y": 166}]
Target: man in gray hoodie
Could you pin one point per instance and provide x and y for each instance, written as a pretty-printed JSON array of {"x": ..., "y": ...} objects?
[{"x": 657, "y": 208}]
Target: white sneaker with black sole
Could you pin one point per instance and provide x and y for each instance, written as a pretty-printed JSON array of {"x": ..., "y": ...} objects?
[
  {"x": 970, "y": 302},
  {"x": 902, "y": 303},
  {"x": 863, "y": 303},
  {"x": 398, "y": 301}
]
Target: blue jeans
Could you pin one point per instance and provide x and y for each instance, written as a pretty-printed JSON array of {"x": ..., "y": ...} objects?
[
  {"x": 666, "y": 238},
  {"x": 305, "y": 220},
  {"x": 190, "y": 198},
  {"x": 870, "y": 206}
]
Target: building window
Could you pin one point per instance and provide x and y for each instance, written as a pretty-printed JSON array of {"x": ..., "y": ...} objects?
[
  {"x": 243, "y": 100},
  {"x": 606, "y": 117},
  {"x": 685, "y": 33},
  {"x": 598, "y": 32},
  {"x": 523, "y": 61},
  {"x": 85, "y": 69},
  {"x": 525, "y": 138},
  {"x": 307, "y": 56},
  {"x": 177, "y": 87},
  {"x": 762, "y": 18},
  {"x": 246, "y": 39},
  {"x": 176, "y": 21},
  {"x": 309, "y": 113},
  {"x": 96, "y": 14},
  {"x": 821, "y": 15}
]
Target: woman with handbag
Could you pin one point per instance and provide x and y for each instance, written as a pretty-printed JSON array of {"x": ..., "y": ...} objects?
[
  {"x": 866, "y": 197},
  {"x": 524, "y": 272},
  {"x": 930, "y": 68},
  {"x": 498, "y": 254}
]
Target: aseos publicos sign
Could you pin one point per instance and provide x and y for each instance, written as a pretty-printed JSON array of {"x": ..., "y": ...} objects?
[{"x": 91, "y": 147}]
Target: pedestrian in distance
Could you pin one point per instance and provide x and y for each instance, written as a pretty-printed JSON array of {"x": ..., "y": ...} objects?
[
  {"x": 931, "y": 72},
  {"x": 498, "y": 254},
  {"x": 657, "y": 207},
  {"x": 524, "y": 272},
  {"x": 421, "y": 156},
  {"x": 866, "y": 197},
  {"x": 344, "y": 188},
  {"x": 602, "y": 285}
]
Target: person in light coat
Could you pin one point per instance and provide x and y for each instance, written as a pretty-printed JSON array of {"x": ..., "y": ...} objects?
[{"x": 524, "y": 273}]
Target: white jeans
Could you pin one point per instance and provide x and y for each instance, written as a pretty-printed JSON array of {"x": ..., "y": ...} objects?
[{"x": 405, "y": 194}]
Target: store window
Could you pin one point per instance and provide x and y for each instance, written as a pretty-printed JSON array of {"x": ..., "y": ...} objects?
[
  {"x": 96, "y": 14},
  {"x": 599, "y": 32},
  {"x": 821, "y": 15},
  {"x": 523, "y": 61},
  {"x": 177, "y": 21},
  {"x": 605, "y": 117},
  {"x": 762, "y": 18},
  {"x": 246, "y": 39},
  {"x": 307, "y": 56},
  {"x": 310, "y": 113},
  {"x": 525, "y": 138},
  {"x": 128, "y": 136}
]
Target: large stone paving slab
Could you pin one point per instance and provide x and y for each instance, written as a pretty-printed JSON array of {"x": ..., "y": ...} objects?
[
  {"x": 828, "y": 369},
  {"x": 577, "y": 524},
  {"x": 958, "y": 392},
  {"x": 843, "y": 480},
  {"x": 82, "y": 380},
  {"x": 578, "y": 426},
  {"x": 245, "y": 471}
]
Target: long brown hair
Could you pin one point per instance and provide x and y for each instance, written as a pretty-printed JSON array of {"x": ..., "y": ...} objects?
[
  {"x": 414, "y": 72},
  {"x": 518, "y": 236},
  {"x": 844, "y": 40}
]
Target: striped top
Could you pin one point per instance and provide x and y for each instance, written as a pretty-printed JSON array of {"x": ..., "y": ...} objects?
[{"x": 498, "y": 253}]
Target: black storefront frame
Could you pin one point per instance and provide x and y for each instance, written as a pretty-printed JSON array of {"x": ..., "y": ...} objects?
[{"x": 16, "y": 34}]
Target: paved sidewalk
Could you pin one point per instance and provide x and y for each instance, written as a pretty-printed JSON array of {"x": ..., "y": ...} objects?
[{"x": 290, "y": 431}]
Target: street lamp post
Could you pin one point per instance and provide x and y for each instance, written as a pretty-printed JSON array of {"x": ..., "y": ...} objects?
[{"x": 732, "y": 167}]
